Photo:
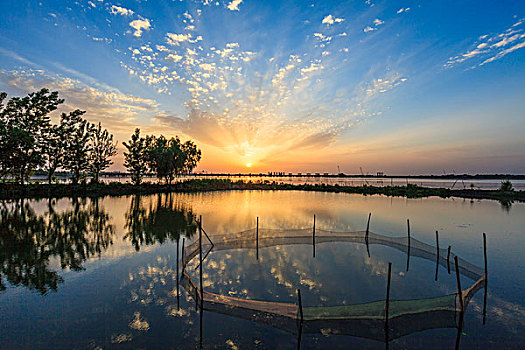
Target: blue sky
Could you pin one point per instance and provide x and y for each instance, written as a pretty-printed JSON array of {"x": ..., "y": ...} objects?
[{"x": 396, "y": 86}]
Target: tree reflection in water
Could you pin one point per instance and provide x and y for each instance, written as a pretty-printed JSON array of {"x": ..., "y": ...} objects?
[
  {"x": 157, "y": 220},
  {"x": 30, "y": 243}
]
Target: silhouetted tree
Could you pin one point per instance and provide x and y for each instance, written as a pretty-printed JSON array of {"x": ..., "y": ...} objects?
[
  {"x": 192, "y": 155},
  {"x": 23, "y": 122},
  {"x": 54, "y": 149},
  {"x": 164, "y": 157},
  {"x": 102, "y": 149},
  {"x": 135, "y": 158},
  {"x": 77, "y": 148}
]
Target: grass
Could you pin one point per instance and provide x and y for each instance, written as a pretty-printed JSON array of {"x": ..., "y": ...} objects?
[{"x": 16, "y": 191}]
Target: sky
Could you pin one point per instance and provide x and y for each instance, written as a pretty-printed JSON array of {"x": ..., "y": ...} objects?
[{"x": 402, "y": 87}]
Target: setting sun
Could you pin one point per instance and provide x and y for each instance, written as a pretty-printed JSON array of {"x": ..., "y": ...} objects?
[{"x": 248, "y": 165}]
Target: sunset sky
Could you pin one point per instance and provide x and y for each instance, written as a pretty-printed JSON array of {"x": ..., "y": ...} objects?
[{"x": 404, "y": 87}]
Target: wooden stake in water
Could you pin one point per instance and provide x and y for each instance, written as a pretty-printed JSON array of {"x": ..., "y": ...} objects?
[
  {"x": 458, "y": 281},
  {"x": 366, "y": 234},
  {"x": 368, "y": 225},
  {"x": 408, "y": 247},
  {"x": 182, "y": 258},
  {"x": 448, "y": 259},
  {"x": 300, "y": 305},
  {"x": 486, "y": 278},
  {"x": 313, "y": 237},
  {"x": 177, "y": 277},
  {"x": 387, "y": 303},
  {"x": 200, "y": 265},
  {"x": 257, "y": 237},
  {"x": 462, "y": 310},
  {"x": 437, "y": 255}
]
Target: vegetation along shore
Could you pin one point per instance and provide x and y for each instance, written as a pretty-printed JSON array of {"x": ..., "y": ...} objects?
[{"x": 15, "y": 191}]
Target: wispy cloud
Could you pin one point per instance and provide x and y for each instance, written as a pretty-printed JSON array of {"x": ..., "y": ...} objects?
[
  {"x": 490, "y": 48},
  {"x": 117, "y": 111}
]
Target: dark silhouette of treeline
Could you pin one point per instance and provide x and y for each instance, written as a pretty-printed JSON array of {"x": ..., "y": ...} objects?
[
  {"x": 29, "y": 141},
  {"x": 31, "y": 242}
]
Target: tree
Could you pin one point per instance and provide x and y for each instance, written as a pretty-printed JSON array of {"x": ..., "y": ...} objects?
[
  {"x": 192, "y": 155},
  {"x": 54, "y": 149},
  {"x": 23, "y": 122},
  {"x": 506, "y": 186},
  {"x": 101, "y": 152},
  {"x": 77, "y": 148},
  {"x": 164, "y": 157},
  {"x": 135, "y": 158}
]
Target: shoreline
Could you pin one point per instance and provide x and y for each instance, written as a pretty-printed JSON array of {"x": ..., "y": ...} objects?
[{"x": 10, "y": 191}]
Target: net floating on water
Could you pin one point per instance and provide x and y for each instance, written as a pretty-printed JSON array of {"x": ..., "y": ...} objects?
[{"x": 365, "y": 320}]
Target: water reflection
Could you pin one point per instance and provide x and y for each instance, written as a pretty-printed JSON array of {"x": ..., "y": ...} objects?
[
  {"x": 30, "y": 242},
  {"x": 36, "y": 244},
  {"x": 157, "y": 221}
]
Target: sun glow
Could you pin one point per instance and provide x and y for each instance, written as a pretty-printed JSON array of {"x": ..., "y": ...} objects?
[{"x": 248, "y": 165}]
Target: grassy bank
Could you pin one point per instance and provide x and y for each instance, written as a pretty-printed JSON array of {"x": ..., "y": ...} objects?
[{"x": 15, "y": 191}]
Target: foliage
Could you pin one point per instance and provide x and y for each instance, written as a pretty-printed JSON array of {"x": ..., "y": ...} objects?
[
  {"x": 506, "y": 186},
  {"x": 135, "y": 158},
  {"x": 164, "y": 157},
  {"x": 102, "y": 151},
  {"x": 23, "y": 125},
  {"x": 192, "y": 155},
  {"x": 54, "y": 149},
  {"x": 77, "y": 148}
]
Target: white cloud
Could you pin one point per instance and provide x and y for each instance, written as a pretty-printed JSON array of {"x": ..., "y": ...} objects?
[
  {"x": 176, "y": 39},
  {"x": 139, "y": 25},
  {"x": 234, "y": 5},
  {"x": 329, "y": 20},
  {"x": 369, "y": 29},
  {"x": 117, "y": 10},
  {"x": 378, "y": 22},
  {"x": 401, "y": 10},
  {"x": 322, "y": 37},
  {"x": 490, "y": 48},
  {"x": 174, "y": 57}
]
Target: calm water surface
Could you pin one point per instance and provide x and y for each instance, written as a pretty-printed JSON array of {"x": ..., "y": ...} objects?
[{"x": 87, "y": 274}]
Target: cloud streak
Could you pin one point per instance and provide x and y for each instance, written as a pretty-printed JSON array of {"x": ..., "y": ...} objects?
[{"x": 490, "y": 48}]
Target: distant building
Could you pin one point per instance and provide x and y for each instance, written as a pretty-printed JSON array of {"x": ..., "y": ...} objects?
[{"x": 380, "y": 173}]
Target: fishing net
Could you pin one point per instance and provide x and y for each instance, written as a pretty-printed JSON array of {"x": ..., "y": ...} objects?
[{"x": 365, "y": 319}]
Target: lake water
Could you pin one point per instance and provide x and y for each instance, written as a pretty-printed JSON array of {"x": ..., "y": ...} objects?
[{"x": 87, "y": 274}]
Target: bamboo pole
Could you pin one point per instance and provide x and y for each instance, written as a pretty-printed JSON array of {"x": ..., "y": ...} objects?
[
  {"x": 366, "y": 234},
  {"x": 458, "y": 281},
  {"x": 313, "y": 237},
  {"x": 300, "y": 305},
  {"x": 437, "y": 255},
  {"x": 177, "y": 277},
  {"x": 257, "y": 238},
  {"x": 448, "y": 259},
  {"x": 387, "y": 303},
  {"x": 182, "y": 258},
  {"x": 200, "y": 265},
  {"x": 408, "y": 240},
  {"x": 486, "y": 278},
  {"x": 368, "y": 225}
]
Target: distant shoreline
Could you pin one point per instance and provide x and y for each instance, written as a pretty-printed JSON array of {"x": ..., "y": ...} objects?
[
  {"x": 10, "y": 191},
  {"x": 118, "y": 174}
]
